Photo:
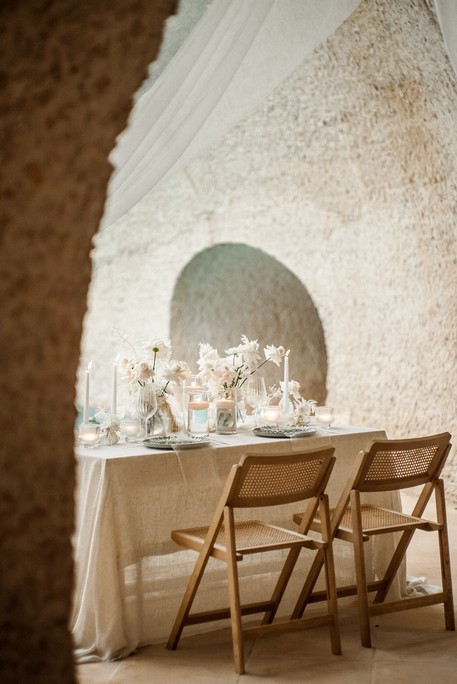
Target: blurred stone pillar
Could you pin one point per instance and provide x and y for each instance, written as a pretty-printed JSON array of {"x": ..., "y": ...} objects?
[{"x": 68, "y": 71}]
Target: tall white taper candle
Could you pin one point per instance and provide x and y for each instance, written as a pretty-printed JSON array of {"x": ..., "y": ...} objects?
[
  {"x": 285, "y": 392},
  {"x": 86, "y": 394},
  {"x": 114, "y": 397}
]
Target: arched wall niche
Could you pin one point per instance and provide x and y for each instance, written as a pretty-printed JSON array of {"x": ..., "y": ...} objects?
[{"x": 232, "y": 289}]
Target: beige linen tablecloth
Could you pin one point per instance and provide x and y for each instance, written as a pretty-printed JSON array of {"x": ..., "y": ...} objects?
[{"x": 130, "y": 576}]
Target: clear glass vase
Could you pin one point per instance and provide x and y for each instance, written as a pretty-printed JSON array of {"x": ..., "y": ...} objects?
[
  {"x": 227, "y": 411},
  {"x": 164, "y": 421},
  {"x": 146, "y": 405},
  {"x": 198, "y": 411}
]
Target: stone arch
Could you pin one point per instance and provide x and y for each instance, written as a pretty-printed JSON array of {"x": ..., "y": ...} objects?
[{"x": 232, "y": 289}]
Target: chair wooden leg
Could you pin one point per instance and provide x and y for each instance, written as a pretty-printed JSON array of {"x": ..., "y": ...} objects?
[
  {"x": 308, "y": 586},
  {"x": 187, "y": 600},
  {"x": 332, "y": 603},
  {"x": 234, "y": 592},
  {"x": 330, "y": 580},
  {"x": 360, "y": 572},
  {"x": 402, "y": 546},
  {"x": 446, "y": 577},
  {"x": 394, "y": 564},
  {"x": 281, "y": 584}
]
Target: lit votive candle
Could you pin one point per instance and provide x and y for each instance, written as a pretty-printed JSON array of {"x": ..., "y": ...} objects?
[
  {"x": 89, "y": 434},
  {"x": 130, "y": 427},
  {"x": 325, "y": 415},
  {"x": 271, "y": 415}
]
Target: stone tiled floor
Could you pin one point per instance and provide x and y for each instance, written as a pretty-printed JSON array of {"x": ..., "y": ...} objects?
[{"x": 408, "y": 647}]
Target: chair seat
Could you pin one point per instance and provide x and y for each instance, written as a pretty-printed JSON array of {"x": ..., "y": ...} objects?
[
  {"x": 374, "y": 520},
  {"x": 250, "y": 535}
]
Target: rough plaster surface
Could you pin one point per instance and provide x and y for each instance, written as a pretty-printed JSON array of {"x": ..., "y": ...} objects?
[
  {"x": 68, "y": 71},
  {"x": 239, "y": 284},
  {"x": 347, "y": 176}
]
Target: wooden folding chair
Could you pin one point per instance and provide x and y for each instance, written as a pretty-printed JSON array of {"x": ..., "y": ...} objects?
[
  {"x": 262, "y": 481},
  {"x": 388, "y": 465}
]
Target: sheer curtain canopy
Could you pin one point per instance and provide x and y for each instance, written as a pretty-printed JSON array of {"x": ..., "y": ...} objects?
[
  {"x": 446, "y": 11},
  {"x": 235, "y": 55},
  {"x": 233, "y": 58}
]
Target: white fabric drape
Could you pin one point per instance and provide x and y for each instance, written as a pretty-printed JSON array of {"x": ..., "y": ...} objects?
[
  {"x": 130, "y": 576},
  {"x": 236, "y": 55},
  {"x": 446, "y": 11}
]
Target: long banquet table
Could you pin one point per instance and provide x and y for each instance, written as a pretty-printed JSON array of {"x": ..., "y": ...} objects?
[{"x": 130, "y": 575}]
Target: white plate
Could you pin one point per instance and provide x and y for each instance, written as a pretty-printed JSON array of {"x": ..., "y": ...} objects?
[
  {"x": 278, "y": 431},
  {"x": 175, "y": 442}
]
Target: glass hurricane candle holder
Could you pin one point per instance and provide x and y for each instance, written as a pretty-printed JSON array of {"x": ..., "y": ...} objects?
[
  {"x": 226, "y": 410},
  {"x": 197, "y": 411},
  {"x": 146, "y": 404},
  {"x": 325, "y": 415},
  {"x": 255, "y": 394},
  {"x": 271, "y": 415},
  {"x": 130, "y": 428},
  {"x": 89, "y": 434}
]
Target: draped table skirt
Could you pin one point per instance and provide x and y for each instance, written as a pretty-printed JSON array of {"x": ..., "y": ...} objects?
[{"x": 130, "y": 576}]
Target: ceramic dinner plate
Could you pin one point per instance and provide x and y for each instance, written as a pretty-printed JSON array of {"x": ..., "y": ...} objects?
[
  {"x": 175, "y": 442},
  {"x": 277, "y": 431}
]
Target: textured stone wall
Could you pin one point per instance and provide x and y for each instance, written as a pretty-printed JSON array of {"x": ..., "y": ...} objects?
[
  {"x": 347, "y": 176},
  {"x": 225, "y": 284},
  {"x": 68, "y": 71}
]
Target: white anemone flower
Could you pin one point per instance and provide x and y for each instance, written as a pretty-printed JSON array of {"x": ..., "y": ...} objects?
[
  {"x": 294, "y": 389},
  {"x": 209, "y": 357},
  {"x": 158, "y": 349},
  {"x": 176, "y": 371},
  {"x": 274, "y": 354},
  {"x": 245, "y": 356},
  {"x": 136, "y": 371}
]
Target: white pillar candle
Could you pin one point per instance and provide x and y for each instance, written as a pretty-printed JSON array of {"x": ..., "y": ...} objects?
[
  {"x": 86, "y": 394},
  {"x": 226, "y": 412},
  {"x": 198, "y": 405},
  {"x": 285, "y": 399},
  {"x": 198, "y": 416},
  {"x": 225, "y": 404}
]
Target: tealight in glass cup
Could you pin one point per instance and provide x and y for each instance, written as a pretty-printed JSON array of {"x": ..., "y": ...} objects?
[
  {"x": 271, "y": 415},
  {"x": 89, "y": 434},
  {"x": 197, "y": 411},
  {"x": 325, "y": 415},
  {"x": 130, "y": 428}
]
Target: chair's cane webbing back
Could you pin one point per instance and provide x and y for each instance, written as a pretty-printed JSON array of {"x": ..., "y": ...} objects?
[
  {"x": 403, "y": 463},
  {"x": 274, "y": 480}
]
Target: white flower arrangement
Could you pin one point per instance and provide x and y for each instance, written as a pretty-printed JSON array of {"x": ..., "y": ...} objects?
[
  {"x": 233, "y": 370},
  {"x": 302, "y": 408},
  {"x": 156, "y": 366},
  {"x": 138, "y": 372},
  {"x": 157, "y": 369}
]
